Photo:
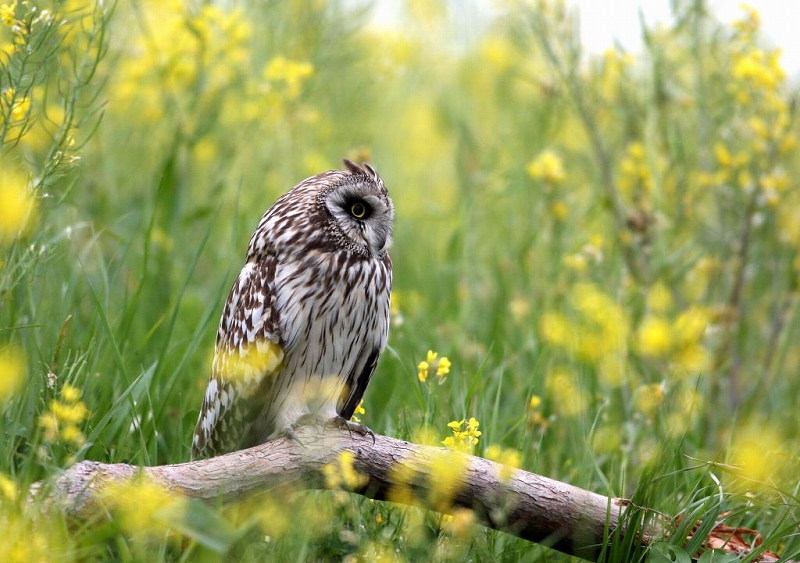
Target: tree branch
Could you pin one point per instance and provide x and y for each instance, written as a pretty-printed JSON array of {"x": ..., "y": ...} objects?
[{"x": 538, "y": 509}]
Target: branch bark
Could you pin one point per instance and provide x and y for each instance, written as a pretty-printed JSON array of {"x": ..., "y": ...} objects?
[
  {"x": 538, "y": 509},
  {"x": 558, "y": 515}
]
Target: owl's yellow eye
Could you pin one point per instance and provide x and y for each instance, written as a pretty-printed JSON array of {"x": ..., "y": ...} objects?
[{"x": 357, "y": 209}]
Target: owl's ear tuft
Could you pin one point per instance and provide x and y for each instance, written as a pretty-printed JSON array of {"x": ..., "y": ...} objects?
[
  {"x": 352, "y": 166},
  {"x": 364, "y": 169}
]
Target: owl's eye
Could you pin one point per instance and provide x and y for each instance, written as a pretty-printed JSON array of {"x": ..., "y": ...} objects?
[{"x": 358, "y": 209}]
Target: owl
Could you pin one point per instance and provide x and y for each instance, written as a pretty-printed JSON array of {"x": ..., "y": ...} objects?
[{"x": 307, "y": 317}]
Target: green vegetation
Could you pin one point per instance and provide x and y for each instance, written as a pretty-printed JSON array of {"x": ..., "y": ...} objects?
[{"x": 606, "y": 251}]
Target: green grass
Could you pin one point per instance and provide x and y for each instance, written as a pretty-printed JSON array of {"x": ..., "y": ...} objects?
[{"x": 647, "y": 295}]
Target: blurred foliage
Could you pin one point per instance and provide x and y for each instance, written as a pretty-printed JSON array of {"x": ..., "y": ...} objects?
[{"x": 603, "y": 249}]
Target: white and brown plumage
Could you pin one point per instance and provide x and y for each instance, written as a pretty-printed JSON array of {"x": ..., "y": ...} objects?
[{"x": 308, "y": 315}]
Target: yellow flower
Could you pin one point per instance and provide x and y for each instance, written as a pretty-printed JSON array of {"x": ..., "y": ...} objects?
[
  {"x": 26, "y": 539},
  {"x": 461, "y": 524},
  {"x": 291, "y": 74},
  {"x": 576, "y": 262},
  {"x": 751, "y": 22},
  {"x": 17, "y": 107},
  {"x": 7, "y": 14},
  {"x": 342, "y": 474},
  {"x": 422, "y": 373},
  {"x": 246, "y": 364},
  {"x": 69, "y": 412},
  {"x": 759, "y": 454},
  {"x": 692, "y": 359},
  {"x": 71, "y": 394},
  {"x": 647, "y": 398},
  {"x": 559, "y": 210},
  {"x": 519, "y": 309},
  {"x": 12, "y": 371},
  {"x": 443, "y": 368},
  {"x": 359, "y": 410},
  {"x": 723, "y": 155},
  {"x": 8, "y": 488},
  {"x": 659, "y": 298},
  {"x": 143, "y": 506},
  {"x": 548, "y": 167},
  {"x": 690, "y": 326},
  {"x": 509, "y": 458},
  {"x": 17, "y": 204},
  {"x": 603, "y": 326},
  {"x": 568, "y": 395},
  {"x": 439, "y": 366},
  {"x": 402, "y": 475},
  {"x": 635, "y": 173},
  {"x": 498, "y": 52},
  {"x": 63, "y": 419},
  {"x": 465, "y": 435},
  {"x": 655, "y": 337},
  {"x": 447, "y": 469},
  {"x": 555, "y": 328}
]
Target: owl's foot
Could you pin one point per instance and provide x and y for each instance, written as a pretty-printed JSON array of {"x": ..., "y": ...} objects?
[
  {"x": 358, "y": 428},
  {"x": 314, "y": 419},
  {"x": 310, "y": 419}
]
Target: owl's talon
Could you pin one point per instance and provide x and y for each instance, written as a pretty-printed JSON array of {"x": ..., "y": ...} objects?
[
  {"x": 358, "y": 428},
  {"x": 289, "y": 433}
]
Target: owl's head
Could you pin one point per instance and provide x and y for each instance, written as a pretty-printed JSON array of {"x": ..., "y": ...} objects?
[
  {"x": 360, "y": 212},
  {"x": 337, "y": 210}
]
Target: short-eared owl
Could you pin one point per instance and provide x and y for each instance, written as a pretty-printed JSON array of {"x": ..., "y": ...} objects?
[{"x": 307, "y": 317}]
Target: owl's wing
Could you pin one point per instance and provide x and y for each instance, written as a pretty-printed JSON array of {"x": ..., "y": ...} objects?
[
  {"x": 357, "y": 381},
  {"x": 357, "y": 384},
  {"x": 247, "y": 357}
]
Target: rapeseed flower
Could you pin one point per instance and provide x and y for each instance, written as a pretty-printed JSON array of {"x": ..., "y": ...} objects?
[
  {"x": 8, "y": 14},
  {"x": 64, "y": 418},
  {"x": 566, "y": 391},
  {"x": 358, "y": 410},
  {"x": 756, "y": 451},
  {"x": 439, "y": 366},
  {"x": 342, "y": 473},
  {"x": 446, "y": 471},
  {"x": 461, "y": 524},
  {"x": 16, "y": 107},
  {"x": 635, "y": 174},
  {"x": 290, "y": 76},
  {"x": 548, "y": 167},
  {"x": 143, "y": 506},
  {"x": 8, "y": 489},
  {"x": 535, "y": 416},
  {"x": 509, "y": 458},
  {"x": 12, "y": 371},
  {"x": 17, "y": 202},
  {"x": 648, "y": 398},
  {"x": 246, "y": 364},
  {"x": 655, "y": 337},
  {"x": 679, "y": 341},
  {"x": 402, "y": 476},
  {"x": 465, "y": 435}
]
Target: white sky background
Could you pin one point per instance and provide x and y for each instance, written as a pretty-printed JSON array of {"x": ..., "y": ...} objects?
[{"x": 605, "y": 21}]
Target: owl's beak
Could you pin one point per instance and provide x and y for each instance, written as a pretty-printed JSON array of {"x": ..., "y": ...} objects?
[{"x": 378, "y": 240}]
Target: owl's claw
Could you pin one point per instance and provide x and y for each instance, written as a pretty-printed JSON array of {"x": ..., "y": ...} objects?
[
  {"x": 336, "y": 422},
  {"x": 289, "y": 433},
  {"x": 310, "y": 419},
  {"x": 358, "y": 428}
]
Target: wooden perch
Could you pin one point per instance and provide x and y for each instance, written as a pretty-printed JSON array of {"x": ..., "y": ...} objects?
[{"x": 538, "y": 509}]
